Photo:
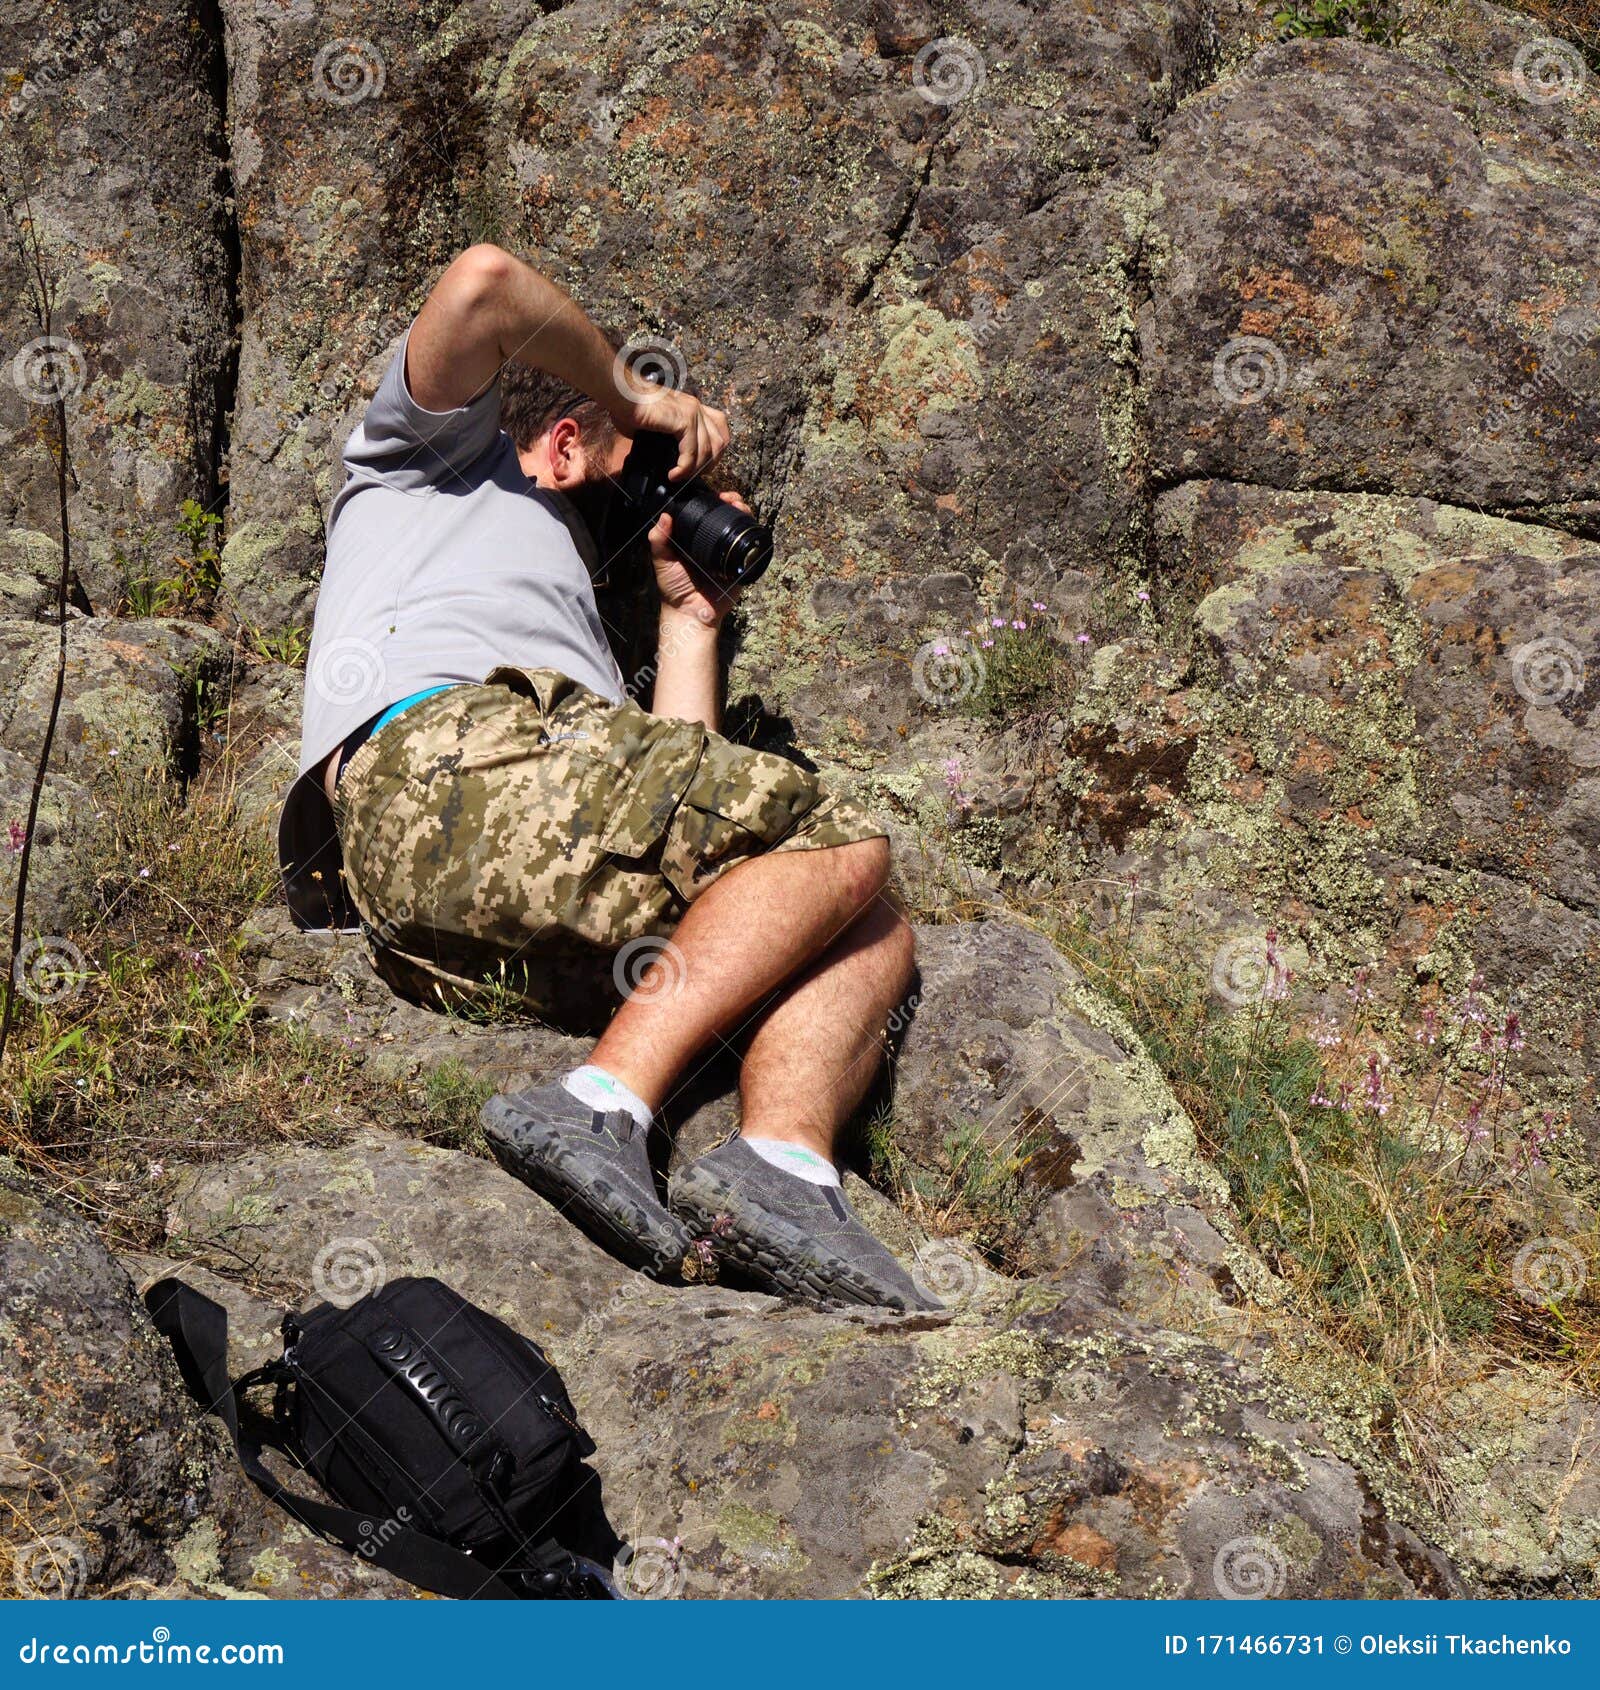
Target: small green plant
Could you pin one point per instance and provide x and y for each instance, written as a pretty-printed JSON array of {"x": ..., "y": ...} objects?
[
  {"x": 286, "y": 645},
  {"x": 1383, "y": 22},
  {"x": 194, "y": 573},
  {"x": 142, "y": 596},
  {"x": 200, "y": 561},
  {"x": 983, "y": 1188},
  {"x": 1022, "y": 669}
]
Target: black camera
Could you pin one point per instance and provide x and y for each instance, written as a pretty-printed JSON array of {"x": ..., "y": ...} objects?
[{"x": 719, "y": 539}]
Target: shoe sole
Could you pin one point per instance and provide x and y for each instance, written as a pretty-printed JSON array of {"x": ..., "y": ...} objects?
[
  {"x": 642, "y": 1237},
  {"x": 774, "y": 1253}
]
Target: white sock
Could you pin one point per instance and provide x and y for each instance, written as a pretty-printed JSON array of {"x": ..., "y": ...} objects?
[
  {"x": 794, "y": 1159},
  {"x": 605, "y": 1092}
]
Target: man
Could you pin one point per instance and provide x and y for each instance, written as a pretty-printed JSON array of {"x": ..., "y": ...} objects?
[{"x": 476, "y": 788}]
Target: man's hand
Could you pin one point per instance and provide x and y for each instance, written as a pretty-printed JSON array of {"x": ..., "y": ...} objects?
[
  {"x": 700, "y": 430},
  {"x": 692, "y": 609},
  {"x": 489, "y": 307},
  {"x": 685, "y": 591}
]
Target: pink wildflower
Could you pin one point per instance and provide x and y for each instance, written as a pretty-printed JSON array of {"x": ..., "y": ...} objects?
[{"x": 1374, "y": 1090}]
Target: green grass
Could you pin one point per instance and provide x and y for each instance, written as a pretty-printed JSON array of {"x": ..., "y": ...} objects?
[
  {"x": 1390, "y": 1235},
  {"x": 1382, "y": 22},
  {"x": 452, "y": 1095},
  {"x": 286, "y": 645},
  {"x": 981, "y": 1188},
  {"x": 1025, "y": 674},
  {"x": 155, "y": 1049}
]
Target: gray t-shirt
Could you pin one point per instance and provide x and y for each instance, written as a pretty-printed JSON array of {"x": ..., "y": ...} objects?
[{"x": 443, "y": 561}]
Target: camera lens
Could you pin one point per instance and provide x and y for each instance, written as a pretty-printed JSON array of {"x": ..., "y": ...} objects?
[{"x": 724, "y": 541}]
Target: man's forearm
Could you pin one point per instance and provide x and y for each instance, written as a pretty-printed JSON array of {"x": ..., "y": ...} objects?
[
  {"x": 688, "y": 680},
  {"x": 489, "y": 308}
]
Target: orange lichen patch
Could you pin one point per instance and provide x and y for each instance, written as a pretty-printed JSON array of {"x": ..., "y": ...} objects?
[
  {"x": 956, "y": 1510},
  {"x": 1154, "y": 1493},
  {"x": 1541, "y": 311},
  {"x": 1284, "y": 301},
  {"x": 1475, "y": 637},
  {"x": 1358, "y": 598},
  {"x": 1078, "y": 1542},
  {"x": 661, "y": 120},
  {"x": 768, "y": 1410},
  {"x": 1445, "y": 581},
  {"x": 1332, "y": 237},
  {"x": 1074, "y": 1448},
  {"x": 135, "y": 655},
  {"x": 1314, "y": 756},
  {"x": 1292, "y": 434}
]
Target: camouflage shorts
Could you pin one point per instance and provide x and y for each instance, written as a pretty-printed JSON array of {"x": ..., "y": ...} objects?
[{"x": 507, "y": 843}]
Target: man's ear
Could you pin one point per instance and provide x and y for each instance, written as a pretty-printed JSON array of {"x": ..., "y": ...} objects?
[{"x": 565, "y": 452}]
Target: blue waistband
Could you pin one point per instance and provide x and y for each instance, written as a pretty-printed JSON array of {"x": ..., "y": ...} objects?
[{"x": 405, "y": 704}]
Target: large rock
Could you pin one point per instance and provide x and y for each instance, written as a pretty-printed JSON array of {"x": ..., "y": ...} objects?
[
  {"x": 901, "y": 265},
  {"x": 30, "y": 572},
  {"x": 1365, "y": 275},
  {"x": 344, "y": 1221},
  {"x": 1398, "y": 748},
  {"x": 749, "y": 1448},
  {"x": 352, "y": 128},
  {"x": 114, "y": 146}
]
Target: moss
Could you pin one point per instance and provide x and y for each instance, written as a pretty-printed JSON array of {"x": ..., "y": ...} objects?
[
  {"x": 271, "y": 1568},
  {"x": 956, "y": 1361},
  {"x": 358, "y": 1179},
  {"x": 248, "y": 553},
  {"x": 759, "y": 1536},
  {"x": 929, "y": 363},
  {"x": 197, "y": 1555},
  {"x": 938, "y": 1566}
]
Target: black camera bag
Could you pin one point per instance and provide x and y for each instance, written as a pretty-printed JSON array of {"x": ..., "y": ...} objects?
[{"x": 447, "y": 1438}]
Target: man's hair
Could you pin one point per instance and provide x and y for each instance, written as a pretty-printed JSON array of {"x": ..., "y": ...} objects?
[{"x": 532, "y": 400}]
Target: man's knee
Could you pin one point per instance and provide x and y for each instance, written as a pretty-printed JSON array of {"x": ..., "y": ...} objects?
[{"x": 864, "y": 867}]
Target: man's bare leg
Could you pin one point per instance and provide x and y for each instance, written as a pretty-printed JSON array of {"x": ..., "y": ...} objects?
[
  {"x": 746, "y": 934},
  {"x": 768, "y": 1201},
  {"x": 818, "y": 1047}
]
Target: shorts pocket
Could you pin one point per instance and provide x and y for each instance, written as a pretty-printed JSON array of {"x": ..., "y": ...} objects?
[
  {"x": 740, "y": 803},
  {"x": 647, "y": 804}
]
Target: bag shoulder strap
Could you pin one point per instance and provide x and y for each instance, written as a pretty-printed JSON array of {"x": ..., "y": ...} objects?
[{"x": 198, "y": 1331}]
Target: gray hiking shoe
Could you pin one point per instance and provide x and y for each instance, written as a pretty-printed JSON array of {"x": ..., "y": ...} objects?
[
  {"x": 592, "y": 1166},
  {"x": 786, "y": 1234}
]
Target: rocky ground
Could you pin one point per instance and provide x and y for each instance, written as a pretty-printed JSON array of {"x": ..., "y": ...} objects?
[{"x": 1259, "y": 378}]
